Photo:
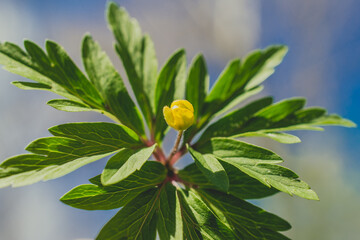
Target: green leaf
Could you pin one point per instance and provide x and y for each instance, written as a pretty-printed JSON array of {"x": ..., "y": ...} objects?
[
  {"x": 260, "y": 64},
  {"x": 270, "y": 115},
  {"x": 110, "y": 84},
  {"x": 124, "y": 163},
  {"x": 34, "y": 65},
  {"x": 277, "y": 136},
  {"x": 134, "y": 220},
  {"x": 241, "y": 185},
  {"x": 240, "y": 77},
  {"x": 69, "y": 105},
  {"x": 211, "y": 168},
  {"x": 199, "y": 221},
  {"x": 71, "y": 76},
  {"x": 230, "y": 124},
  {"x": 27, "y": 169},
  {"x": 99, "y": 197},
  {"x": 101, "y": 133},
  {"x": 31, "y": 86},
  {"x": 75, "y": 145},
  {"x": 248, "y": 221},
  {"x": 170, "y": 86},
  {"x": 138, "y": 57},
  {"x": 197, "y": 84},
  {"x": 169, "y": 225},
  {"x": 259, "y": 164}
]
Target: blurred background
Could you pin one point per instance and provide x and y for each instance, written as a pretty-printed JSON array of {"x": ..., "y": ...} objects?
[{"x": 323, "y": 65}]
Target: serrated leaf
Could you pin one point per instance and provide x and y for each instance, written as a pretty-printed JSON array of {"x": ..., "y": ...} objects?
[
  {"x": 240, "y": 77},
  {"x": 258, "y": 163},
  {"x": 124, "y": 163},
  {"x": 247, "y": 220},
  {"x": 211, "y": 168},
  {"x": 134, "y": 220},
  {"x": 241, "y": 185},
  {"x": 102, "y": 133},
  {"x": 27, "y": 169},
  {"x": 229, "y": 125},
  {"x": 197, "y": 84},
  {"x": 71, "y": 76},
  {"x": 69, "y": 105},
  {"x": 19, "y": 62},
  {"x": 169, "y": 224},
  {"x": 199, "y": 221},
  {"x": 75, "y": 145},
  {"x": 138, "y": 57},
  {"x": 98, "y": 197},
  {"x": 105, "y": 78},
  {"x": 170, "y": 86}
]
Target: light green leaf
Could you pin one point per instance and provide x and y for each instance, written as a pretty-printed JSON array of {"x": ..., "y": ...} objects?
[
  {"x": 98, "y": 197},
  {"x": 124, "y": 163},
  {"x": 197, "y": 84},
  {"x": 102, "y": 133},
  {"x": 211, "y": 168},
  {"x": 110, "y": 84},
  {"x": 138, "y": 57},
  {"x": 170, "y": 86},
  {"x": 241, "y": 185},
  {"x": 75, "y": 145},
  {"x": 27, "y": 169},
  {"x": 199, "y": 221},
  {"x": 248, "y": 221},
  {"x": 69, "y": 105},
  {"x": 134, "y": 220},
  {"x": 277, "y": 136},
  {"x": 258, "y": 163},
  {"x": 31, "y": 86},
  {"x": 169, "y": 225}
]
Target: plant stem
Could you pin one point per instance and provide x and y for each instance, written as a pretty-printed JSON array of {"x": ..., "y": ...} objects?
[{"x": 177, "y": 142}]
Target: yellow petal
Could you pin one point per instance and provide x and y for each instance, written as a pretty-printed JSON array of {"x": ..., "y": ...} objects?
[
  {"x": 183, "y": 104},
  {"x": 169, "y": 117}
]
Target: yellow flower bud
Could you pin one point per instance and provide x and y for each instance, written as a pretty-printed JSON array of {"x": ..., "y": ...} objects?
[{"x": 180, "y": 115}]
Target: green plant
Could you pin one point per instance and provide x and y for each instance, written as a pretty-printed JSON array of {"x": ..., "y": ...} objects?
[{"x": 206, "y": 199}]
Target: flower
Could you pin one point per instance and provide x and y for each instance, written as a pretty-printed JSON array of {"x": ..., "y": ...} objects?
[{"x": 180, "y": 115}]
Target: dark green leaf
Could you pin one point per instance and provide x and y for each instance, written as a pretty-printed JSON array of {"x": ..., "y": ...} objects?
[
  {"x": 102, "y": 133},
  {"x": 71, "y": 76},
  {"x": 110, "y": 84},
  {"x": 211, "y": 168},
  {"x": 134, "y": 220},
  {"x": 231, "y": 123},
  {"x": 241, "y": 185},
  {"x": 259, "y": 164},
  {"x": 199, "y": 221},
  {"x": 197, "y": 84},
  {"x": 170, "y": 86},
  {"x": 98, "y": 197},
  {"x": 169, "y": 225},
  {"x": 124, "y": 163},
  {"x": 248, "y": 221},
  {"x": 36, "y": 67},
  {"x": 138, "y": 57}
]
